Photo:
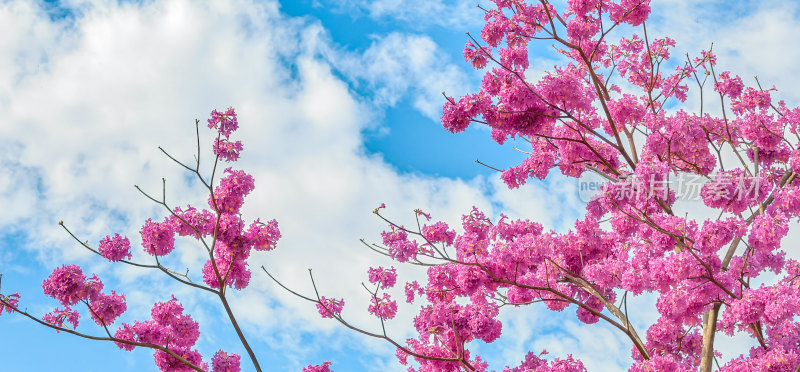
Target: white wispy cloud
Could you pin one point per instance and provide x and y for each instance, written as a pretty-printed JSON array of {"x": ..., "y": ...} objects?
[{"x": 400, "y": 65}]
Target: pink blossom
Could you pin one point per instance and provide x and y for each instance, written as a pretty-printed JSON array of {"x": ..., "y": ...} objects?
[
  {"x": 229, "y": 195},
  {"x": 263, "y": 236},
  {"x": 116, "y": 248},
  {"x": 106, "y": 308},
  {"x": 383, "y": 307},
  {"x": 224, "y": 122},
  {"x": 411, "y": 289},
  {"x": 151, "y": 332},
  {"x": 158, "y": 238},
  {"x": 224, "y": 362},
  {"x": 384, "y": 277},
  {"x": 438, "y": 233},
  {"x": 9, "y": 303},
  {"x": 400, "y": 248},
  {"x": 125, "y": 332},
  {"x": 67, "y": 284},
  {"x": 168, "y": 363},
  {"x": 57, "y": 317},
  {"x": 227, "y": 151},
  {"x": 231, "y": 268},
  {"x": 192, "y": 222},
  {"x": 729, "y": 86},
  {"x": 329, "y": 307},
  {"x": 324, "y": 367}
]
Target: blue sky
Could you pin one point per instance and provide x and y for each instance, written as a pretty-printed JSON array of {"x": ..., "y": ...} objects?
[{"x": 338, "y": 104}]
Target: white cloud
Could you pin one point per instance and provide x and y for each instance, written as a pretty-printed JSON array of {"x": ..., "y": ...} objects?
[{"x": 399, "y": 64}]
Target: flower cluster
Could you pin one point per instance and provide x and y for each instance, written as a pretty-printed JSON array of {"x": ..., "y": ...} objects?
[
  {"x": 385, "y": 278},
  {"x": 116, "y": 248},
  {"x": 9, "y": 303},
  {"x": 383, "y": 307},
  {"x": 224, "y": 362},
  {"x": 329, "y": 307},
  {"x": 225, "y": 123},
  {"x": 400, "y": 248},
  {"x": 69, "y": 286},
  {"x": 324, "y": 367}
]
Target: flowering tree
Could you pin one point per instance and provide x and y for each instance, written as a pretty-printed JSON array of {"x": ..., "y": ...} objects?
[
  {"x": 219, "y": 229},
  {"x": 613, "y": 109}
]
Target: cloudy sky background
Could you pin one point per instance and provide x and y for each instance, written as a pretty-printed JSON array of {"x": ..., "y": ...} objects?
[{"x": 338, "y": 104}]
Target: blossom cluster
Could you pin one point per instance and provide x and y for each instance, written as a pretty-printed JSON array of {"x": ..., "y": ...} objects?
[
  {"x": 225, "y": 123},
  {"x": 329, "y": 307},
  {"x": 69, "y": 286}
]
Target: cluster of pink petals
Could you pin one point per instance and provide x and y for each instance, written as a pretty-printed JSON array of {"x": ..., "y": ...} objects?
[
  {"x": 400, "y": 247},
  {"x": 385, "y": 278},
  {"x": 324, "y": 367},
  {"x": 105, "y": 309},
  {"x": 158, "y": 238},
  {"x": 57, "y": 317},
  {"x": 729, "y": 86},
  {"x": 412, "y": 289},
  {"x": 168, "y": 327},
  {"x": 383, "y": 307},
  {"x": 68, "y": 285},
  {"x": 329, "y": 307},
  {"x": 438, "y": 233},
  {"x": 226, "y": 150},
  {"x": 224, "y": 122},
  {"x": 116, "y": 248},
  {"x": 734, "y": 191},
  {"x": 225, "y": 362},
  {"x": 229, "y": 195},
  {"x": 9, "y": 303}
]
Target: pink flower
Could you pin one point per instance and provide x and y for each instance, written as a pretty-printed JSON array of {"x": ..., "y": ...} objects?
[
  {"x": 158, "y": 238},
  {"x": 125, "y": 332},
  {"x": 67, "y": 284},
  {"x": 384, "y": 307},
  {"x": 411, "y": 290},
  {"x": 57, "y": 317},
  {"x": 729, "y": 86},
  {"x": 232, "y": 268},
  {"x": 8, "y": 303},
  {"x": 106, "y": 308},
  {"x": 229, "y": 195},
  {"x": 116, "y": 248},
  {"x": 224, "y": 362},
  {"x": 324, "y": 367},
  {"x": 438, "y": 233},
  {"x": 400, "y": 248},
  {"x": 191, "y": 221},
  {"x": 227, "y": 151},
  {"x": 224, "y": 122},
  {"x": 168, "y": 363},
  {"x": 263, "y": 237},
  {"x": 151, "y": 332},
  {"x": 385, "y": 277},
  {"x": 165, "y": 313},
  {"x": 328, "y": 307}
]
